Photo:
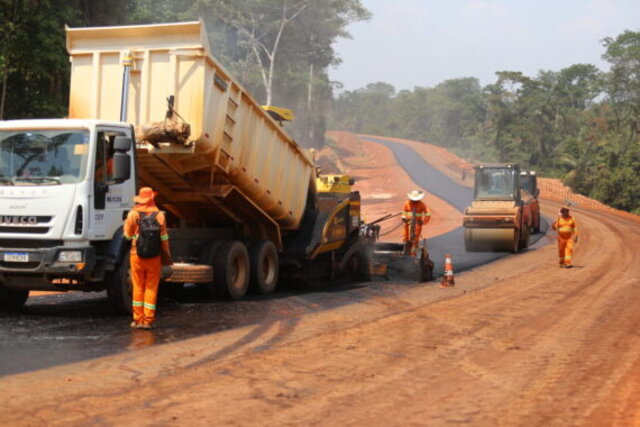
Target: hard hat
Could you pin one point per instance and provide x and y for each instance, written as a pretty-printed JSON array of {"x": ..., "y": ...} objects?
[
  {"x": 145, "y": 195},
  {"x": 415, "y": 195}
]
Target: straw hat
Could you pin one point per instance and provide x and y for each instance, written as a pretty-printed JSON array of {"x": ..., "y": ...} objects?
[
  {"x": 415, "y": 195},
  {"x": 145, "y": 195}
]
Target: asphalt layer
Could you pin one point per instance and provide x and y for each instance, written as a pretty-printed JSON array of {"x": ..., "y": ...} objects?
[
  {"x": 70, "y": 327},
  {"x": 440, "y": 185}
]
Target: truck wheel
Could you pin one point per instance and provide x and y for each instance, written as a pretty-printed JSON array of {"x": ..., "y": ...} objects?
[
  {"x": 12, "y": 299},
  {"x": 264, "y": 266},
  {"x": 190, "y": 274},
  {"x": 231, "y": 270},
  {"x": 119, "y": 287}
]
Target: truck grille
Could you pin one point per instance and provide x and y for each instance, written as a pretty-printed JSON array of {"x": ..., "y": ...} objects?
[
  {"x": 28, "y": 244},
  {"x": 25, "y": 229},
  {"x": 20, "y": 265},
  {"x": 25, "y": 224}
]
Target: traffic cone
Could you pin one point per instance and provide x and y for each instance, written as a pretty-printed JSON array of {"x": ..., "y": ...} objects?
[{"x": 447, "y": 278}]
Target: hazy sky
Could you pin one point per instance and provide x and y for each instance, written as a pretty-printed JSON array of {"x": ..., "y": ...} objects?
[{"x": 412, "y": 43}]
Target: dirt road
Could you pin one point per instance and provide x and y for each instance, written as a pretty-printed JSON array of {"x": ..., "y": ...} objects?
[{"x": 517, "y": 342}]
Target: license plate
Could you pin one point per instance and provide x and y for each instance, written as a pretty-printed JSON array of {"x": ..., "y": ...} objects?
[{"x": 16, "y": 257}]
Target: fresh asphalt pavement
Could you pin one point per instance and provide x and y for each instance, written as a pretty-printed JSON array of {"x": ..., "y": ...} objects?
[
  {"x": 443, "y": 187},
  {"x": 62, "y": 328}
]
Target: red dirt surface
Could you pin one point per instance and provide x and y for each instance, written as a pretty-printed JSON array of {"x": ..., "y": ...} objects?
[{"x": 383, "y": 184}]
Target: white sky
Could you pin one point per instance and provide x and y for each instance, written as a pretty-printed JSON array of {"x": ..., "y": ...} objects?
[{"x": 412, "y": 43}]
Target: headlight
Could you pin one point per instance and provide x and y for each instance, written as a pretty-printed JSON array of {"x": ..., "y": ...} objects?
[{"x": 70, "y": 256}]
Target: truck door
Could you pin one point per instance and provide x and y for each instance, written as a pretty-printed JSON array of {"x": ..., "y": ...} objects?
[{"x": 111, "y": 200}]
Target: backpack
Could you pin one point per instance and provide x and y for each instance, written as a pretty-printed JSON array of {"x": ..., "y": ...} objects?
[{"x": 148, "y": 244}]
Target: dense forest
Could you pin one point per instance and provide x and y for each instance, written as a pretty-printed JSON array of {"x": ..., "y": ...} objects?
[
  {"x": 580, "y": 123},
  {"x": 280, "y": 50}
]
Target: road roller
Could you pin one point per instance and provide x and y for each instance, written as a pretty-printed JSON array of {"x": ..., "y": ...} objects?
[{"x": 497, "y": 220}]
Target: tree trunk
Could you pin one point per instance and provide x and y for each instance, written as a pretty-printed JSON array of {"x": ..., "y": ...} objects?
[
  {"x": 3, "y": 96},
  {"x": 166, "y": 131},
  {"x": 310, "y": 88}
]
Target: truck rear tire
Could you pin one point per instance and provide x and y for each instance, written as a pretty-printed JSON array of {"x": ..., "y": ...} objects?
[
  {"x": 263, "y": 256},
  {"x": 12, "y": 299},
  {"x": 119, "y": 287},
  {"x": 231, "y": 270}
]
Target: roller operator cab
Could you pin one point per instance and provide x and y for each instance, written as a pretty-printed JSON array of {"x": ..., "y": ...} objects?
[{"x": 496, "y": 221}]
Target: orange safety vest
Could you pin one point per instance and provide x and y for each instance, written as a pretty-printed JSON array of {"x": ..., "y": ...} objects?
[
  {"x": 566, "y": 227},
  {"x": 422, "y": 213}
]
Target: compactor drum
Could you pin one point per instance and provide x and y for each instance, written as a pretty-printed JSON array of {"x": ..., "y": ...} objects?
[{"x": 496, "y": 221}]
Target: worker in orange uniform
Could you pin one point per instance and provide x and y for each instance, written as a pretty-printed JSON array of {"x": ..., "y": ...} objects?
[
  {"x": 414, "y": 209},
  {"x": 145, "y": 267},
  {"x": 567, "y": 230}
]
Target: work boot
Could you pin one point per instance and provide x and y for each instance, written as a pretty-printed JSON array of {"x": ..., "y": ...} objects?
[
  {"x": 147, "y": 326},
  {"x": 568, "y": 266},
  {"x": 135, "y": 325}
]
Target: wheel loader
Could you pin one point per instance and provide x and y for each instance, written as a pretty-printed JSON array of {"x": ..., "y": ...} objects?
[{"x": 498, "y": 219}]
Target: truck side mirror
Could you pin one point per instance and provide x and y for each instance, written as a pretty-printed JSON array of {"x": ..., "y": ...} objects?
[
  {"x": 121, "y": 166},
  {"x": 122, "y": 144}
]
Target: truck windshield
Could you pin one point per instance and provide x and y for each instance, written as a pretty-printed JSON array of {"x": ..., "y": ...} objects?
[
  {"x": 43, "y": 157},
  {"x": 495, "y": 184}
]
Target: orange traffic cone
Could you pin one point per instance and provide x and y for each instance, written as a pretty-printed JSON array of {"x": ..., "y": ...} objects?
[{"x": 447, "y": 278}]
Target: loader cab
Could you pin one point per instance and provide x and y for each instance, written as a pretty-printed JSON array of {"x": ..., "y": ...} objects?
[{"x": 497, "y": 182}]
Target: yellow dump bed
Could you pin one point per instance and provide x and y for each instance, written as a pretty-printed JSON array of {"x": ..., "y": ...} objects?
[{"x": 238, "y": 163}]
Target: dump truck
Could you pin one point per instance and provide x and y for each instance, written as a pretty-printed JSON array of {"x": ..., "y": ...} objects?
[
  {"x": 498, "y": 219},
  {"x": 530, "y": 193},
  {"x": 150, "y": 106}
]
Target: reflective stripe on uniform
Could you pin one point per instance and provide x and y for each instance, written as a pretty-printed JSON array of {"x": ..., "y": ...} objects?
[
  {"x": 138, "y": 303},
  {"x": 417, "y": 213},
  {"x": 565, "y": 229},
  {"x": 135, "y": 236},
  {"x": 164, "y": 237},
  {"x": 151, "y": 306}
]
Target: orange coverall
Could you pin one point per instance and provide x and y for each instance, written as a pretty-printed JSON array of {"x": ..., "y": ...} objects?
[
  {"x": 567, "y": 230},
  {"x": 422, "y": 215},
  {"x": 145, "y": 272}
]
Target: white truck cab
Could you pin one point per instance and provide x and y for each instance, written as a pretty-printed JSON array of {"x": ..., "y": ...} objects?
[{"x": 65, "y": 187}]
